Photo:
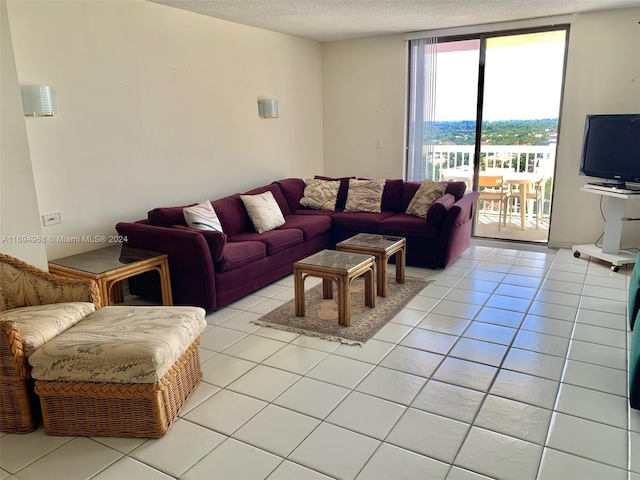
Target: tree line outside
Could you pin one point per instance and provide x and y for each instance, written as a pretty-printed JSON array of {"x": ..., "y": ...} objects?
[
  {"x": 538, "y": 132},
  {"x": 498, "y": 132}
]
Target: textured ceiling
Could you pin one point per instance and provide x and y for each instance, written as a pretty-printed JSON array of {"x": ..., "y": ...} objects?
[{"x": 330, "y": 20}]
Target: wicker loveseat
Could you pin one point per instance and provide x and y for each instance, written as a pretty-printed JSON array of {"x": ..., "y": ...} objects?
[{"x": 35, "y": 306}]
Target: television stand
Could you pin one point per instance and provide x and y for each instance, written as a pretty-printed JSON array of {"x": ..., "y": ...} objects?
[
  {"x": 613, "y": 187},
  {"x": 610, "y": 250}
]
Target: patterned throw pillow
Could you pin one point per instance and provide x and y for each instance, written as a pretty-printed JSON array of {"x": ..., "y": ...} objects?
[
  {"x": 364, "y": 196},
  {"x": 320, "y": 194},
  {"x": 263, "y": 211},
  {"x": 428, "y": 193},
  {"x": 202, "y": 217}
]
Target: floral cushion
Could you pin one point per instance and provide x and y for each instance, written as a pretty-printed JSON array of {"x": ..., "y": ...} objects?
[
  {"x": 364, "y": 196},
  {"x": 320, "y": 194},
  {"x": 428, "y": 193},
  {"x": 21, "y": 288},
  {"x": 263, "y": 210},
  {"x": 120, "y": 345},
  {"x": 202, "y": 217},
  {"x": 41, "y": 323}
]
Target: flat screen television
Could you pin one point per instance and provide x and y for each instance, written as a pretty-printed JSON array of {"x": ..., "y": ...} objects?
[{"x": 611, "y": 150}]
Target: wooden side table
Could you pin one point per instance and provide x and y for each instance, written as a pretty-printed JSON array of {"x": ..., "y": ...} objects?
[
  {"x": 109, "y": 266},
  {"x": 382, "y": 247},
  {"x": 339, "y": 267}
]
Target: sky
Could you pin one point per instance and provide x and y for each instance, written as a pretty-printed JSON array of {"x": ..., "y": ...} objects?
[{"x": 522, "y": 79}]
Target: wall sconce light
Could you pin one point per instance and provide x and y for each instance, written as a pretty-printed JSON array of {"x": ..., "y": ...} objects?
[
  {"x": 268, "y": 108},
  {"x": 38, "y": 100}
]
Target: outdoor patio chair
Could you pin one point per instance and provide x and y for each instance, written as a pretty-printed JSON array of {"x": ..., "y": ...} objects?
[{"x": 493, "y": 189}]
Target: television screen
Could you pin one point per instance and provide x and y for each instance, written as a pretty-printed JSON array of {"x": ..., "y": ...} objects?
[{"x": 611, "y": 148}]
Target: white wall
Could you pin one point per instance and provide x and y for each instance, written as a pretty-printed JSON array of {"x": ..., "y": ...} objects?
[
  {"x": 365, "y": 96},
  {"x": 20, "y": 229},
  {"x": 603, "y": 76},
  {"x": 158, "y": 106},
  {"x": 364, "y": 85}
]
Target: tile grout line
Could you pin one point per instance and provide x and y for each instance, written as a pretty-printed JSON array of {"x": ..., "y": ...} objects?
[{"x": 486, "y": 394}]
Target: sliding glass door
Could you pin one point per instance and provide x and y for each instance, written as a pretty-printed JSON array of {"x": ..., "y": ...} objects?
[{"x": 488, "y": 106}]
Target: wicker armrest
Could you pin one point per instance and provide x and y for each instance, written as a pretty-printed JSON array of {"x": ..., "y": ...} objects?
[
  {"x": 19, "y": 407},
  {"x": 13, "y": 360},
  {"x": 24, "y": 285}
]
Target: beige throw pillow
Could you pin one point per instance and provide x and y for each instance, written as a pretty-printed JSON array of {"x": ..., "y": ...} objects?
[
  {"x": 364, "y": 196},
  {"x": 264, "y": 211},
  {"x": 428, "y": 193},
  {"x": 320, "y": 194},
  {"x": 202, "y": 217}
]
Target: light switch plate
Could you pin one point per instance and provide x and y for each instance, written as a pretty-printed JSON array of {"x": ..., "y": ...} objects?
[{"x": 51, "y": 219}]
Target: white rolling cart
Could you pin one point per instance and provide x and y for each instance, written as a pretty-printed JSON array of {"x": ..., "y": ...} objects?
[{"x": 610, "y": 250}]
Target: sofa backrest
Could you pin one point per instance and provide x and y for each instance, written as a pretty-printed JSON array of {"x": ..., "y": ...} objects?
[
  {"x": 287, "y": 192},
  {"x": 457, "y": 189},
  {"x": 232, "y": 214},
  {"x": 392, "y": 195},
  {"x": 230, "y": 210},
  {"x": 341, "y": 201},
  {"x": 167, "y": 216},
  {"x": 293, "y": 190},
  {"x": 410, "y": 189},
  {"x": 396, "y": 195},
  {"x": 274, "y": 188}
]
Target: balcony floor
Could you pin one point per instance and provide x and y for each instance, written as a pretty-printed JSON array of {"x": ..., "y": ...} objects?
[{"x": 487, "y": 227}]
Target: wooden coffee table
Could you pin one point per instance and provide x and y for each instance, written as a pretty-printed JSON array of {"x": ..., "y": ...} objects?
[
  {"x": 109, "y": 266},
  {"x": 382, "y": 247},
  {"x": 338, "y": 267}
]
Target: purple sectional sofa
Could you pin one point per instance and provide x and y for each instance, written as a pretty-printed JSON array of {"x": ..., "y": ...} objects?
[{"x": 211, "y": 269}]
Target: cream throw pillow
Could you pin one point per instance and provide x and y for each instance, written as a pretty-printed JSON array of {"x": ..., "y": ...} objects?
[
  {"x": 364, "y": 196},
  {"x": 428, "y": 193},
  {"x": 320, "y": 194},
  {"x": 202, "y": 217},
  {"x": 263, "y": 211}
]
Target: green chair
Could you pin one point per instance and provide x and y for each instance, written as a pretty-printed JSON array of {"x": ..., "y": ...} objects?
[
  {"x": 634, "y": 370},
  {"x": 634, "y": 293},
  {"x": 634, "y": 353}
]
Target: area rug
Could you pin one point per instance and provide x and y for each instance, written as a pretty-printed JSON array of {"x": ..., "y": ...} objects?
[{"x": 321, "y": 316}]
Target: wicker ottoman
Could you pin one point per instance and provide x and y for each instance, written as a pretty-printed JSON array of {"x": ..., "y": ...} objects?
[{"x": 121, "y": 372}]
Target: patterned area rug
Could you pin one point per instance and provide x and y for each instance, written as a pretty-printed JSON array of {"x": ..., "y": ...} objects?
[{"x": 321, "y": 316}]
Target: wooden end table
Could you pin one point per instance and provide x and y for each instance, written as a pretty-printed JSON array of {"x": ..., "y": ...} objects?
[
  {"x": 338, "y": 267},
  {"x": 382, "y": 247},
  {"x": 109, "y": 266}
]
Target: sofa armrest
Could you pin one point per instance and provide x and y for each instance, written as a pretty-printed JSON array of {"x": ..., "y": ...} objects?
[
  {"x": 23, "y": 285},
  {"x": 455, "y": 230},
  {"x": 438, "y": 210},
  {"x": 190, "y": 263},
  {"x": 463, "y": 210},
  {"x": 215, "y": 240}
]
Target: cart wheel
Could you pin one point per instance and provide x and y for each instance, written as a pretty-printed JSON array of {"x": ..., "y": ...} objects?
[
  {"x": 615, "y": 268},
  {"x": 576, "y": 254}
]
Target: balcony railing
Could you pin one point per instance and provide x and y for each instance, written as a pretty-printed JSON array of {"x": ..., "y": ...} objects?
[
  {"x": 514, "y": 158},
  {"x": 518, "y": 158}
]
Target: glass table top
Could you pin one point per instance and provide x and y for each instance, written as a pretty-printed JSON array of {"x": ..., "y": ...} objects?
[
  {"x": 335, "y": 259},
  {"x": 372, "y": 240},
  {"x": 105, "y": 259}
]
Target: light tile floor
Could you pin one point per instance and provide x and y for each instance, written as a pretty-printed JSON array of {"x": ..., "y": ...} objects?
[{"x": 512, "y": 365}]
